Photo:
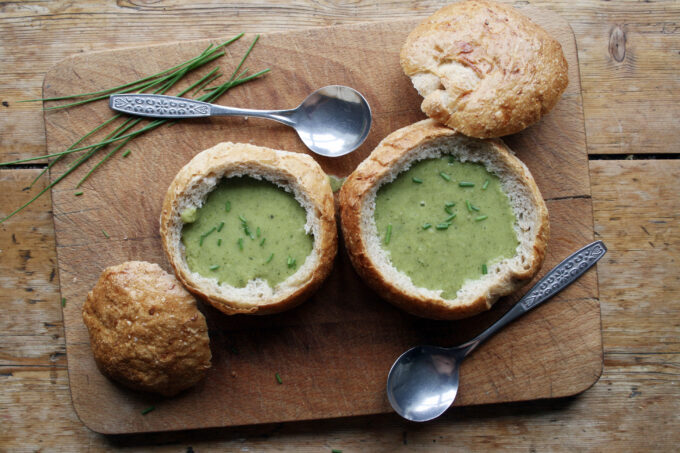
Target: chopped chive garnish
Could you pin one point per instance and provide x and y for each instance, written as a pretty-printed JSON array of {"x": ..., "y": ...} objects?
[
  {"x": 449, "y": 204},
  {"x": 484, "y": 269},
  {"x": 227, "y": 206},
  {"x": 451, "y": 217},
  {"x": 466, "y": 184},
  {"x": 470, "y": 206},
  {"x": 220, "y": 226},
  {"x": 258, "y": 232},
  {"x": 63, "y": 301},
  {"x": 214, "y": 267},
  {"x": 448, "y": 210},
  {"x": 278, "y": 378},
  {"x": 426, "y": 226},
  {"x": 148, "y": 409},
  {"x": 271, "y": 257},
  {"x": 126, "y": 153},
  {"x": 262, "y": 241},
  {"x": 335, "y": 450},
  {"x": 481, "y": 217},
  {"x": 451, "y": 159},
  {"x": 443, "y": 226},
  {"x": 388, "y": 235},
  {"x": 240, "y": 243},
  {"x": 485, "y": 185},
  {"x": 242, "y": 219},
  {"x": 445, "y": 176},
  {"x": 290, "y": 262},
  {"x": 77, "y": 194},
  {"x": 417, "y": 180},
  {"x": 219, "y": 242},
  {"x": 106, "y": 235},
  {"x": 205, "y": 235}
]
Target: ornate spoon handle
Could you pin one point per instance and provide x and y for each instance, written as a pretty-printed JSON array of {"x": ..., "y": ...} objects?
[
  {"x": 158, "y": 106},
  {"x": 171, "y": 107},
  {"x": 552, "y": 283}
]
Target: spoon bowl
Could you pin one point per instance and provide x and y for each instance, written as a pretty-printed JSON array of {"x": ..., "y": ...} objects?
[
  {"x": 423, "y": 382},
  {"x": 332, "y": 121}
]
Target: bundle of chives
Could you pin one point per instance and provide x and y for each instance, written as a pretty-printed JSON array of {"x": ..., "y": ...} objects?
[{"x": 122, "y": 134}]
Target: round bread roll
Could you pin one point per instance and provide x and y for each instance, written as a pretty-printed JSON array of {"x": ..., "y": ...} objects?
[
  {"x": 145, "y": 329},
  {"x": 396, "y": 154},
  {"x": 484, "y": 69},
  {"x": 296, "y": 173}
]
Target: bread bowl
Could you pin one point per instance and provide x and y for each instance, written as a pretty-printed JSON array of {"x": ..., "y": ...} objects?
[
  {"x": 217, "y": 208},
  {"x": 428, "y": 253},
  {"x": 484, "y": 69},
  {"x": 145, "y": 330}
]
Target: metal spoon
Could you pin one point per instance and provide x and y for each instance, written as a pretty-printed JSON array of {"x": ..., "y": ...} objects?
[
  {"x": 332, "y": 121},
  {"x": 423, "y": 382}
]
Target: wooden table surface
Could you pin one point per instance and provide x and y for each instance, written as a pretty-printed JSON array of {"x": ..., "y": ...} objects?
[{"x": 629, "y": 61}]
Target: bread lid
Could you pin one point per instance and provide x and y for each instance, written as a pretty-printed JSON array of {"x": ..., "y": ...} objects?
[{"x": 484, "y": 69}]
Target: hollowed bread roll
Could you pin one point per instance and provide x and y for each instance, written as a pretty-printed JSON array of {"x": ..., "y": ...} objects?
[
  {"x": 286, "y": 174},
  {"x": 460, "y": 210},
  {"x": 484, "y": 69}
]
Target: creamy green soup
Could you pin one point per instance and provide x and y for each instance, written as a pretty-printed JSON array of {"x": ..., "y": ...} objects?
[
  {"x": 246, "y": 229},
  {"x": 444, "y": 222}
]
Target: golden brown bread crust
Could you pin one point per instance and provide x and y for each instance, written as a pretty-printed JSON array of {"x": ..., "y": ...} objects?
[
  {"x": 356, "y": 191},
  {"x": 145, "y": 329},
  {"x": 484, "y": 69},
  {"x": 296, "y": 170}
]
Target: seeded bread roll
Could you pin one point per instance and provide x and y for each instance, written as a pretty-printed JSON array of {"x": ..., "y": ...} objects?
[
  {"x": 145, "y": 329},
  {"x": 484, "y": 69},
  {"x": 395, "y": 154},
  {"x": 294, "y": 172}
]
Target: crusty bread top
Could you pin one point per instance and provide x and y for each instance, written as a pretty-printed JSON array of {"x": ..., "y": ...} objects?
[
  {"x": 395, "y": 154},
  {"x": 484, "y": 69},
  {"x": 294, "y": 172},
  {"x": 145, "y": 330}
]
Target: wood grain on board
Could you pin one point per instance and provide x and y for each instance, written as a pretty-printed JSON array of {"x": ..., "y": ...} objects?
[{"x": 333, "y": 352}]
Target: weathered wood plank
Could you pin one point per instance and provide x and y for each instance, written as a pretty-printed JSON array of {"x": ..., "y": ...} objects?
[
  {"x": 630, "y": 105},
  {"x": 633, "y": 407}
]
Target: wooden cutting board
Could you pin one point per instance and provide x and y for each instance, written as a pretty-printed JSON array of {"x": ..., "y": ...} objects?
[{"x": 333, "y": 353}]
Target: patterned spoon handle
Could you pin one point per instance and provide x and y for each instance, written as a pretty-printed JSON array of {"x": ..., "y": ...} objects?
[
  {"x": 159, "y": 106},
  {"x": 552, "y": 283}
]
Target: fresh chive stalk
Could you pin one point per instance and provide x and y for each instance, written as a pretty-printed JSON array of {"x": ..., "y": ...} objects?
[
  {"x": 148, "y": 409},
  {"x": 79, "y": 193},
  {"x": 278, "y": 378},
  {"x": 445, "y": 176},
  {"x": 106, "y": 235},
  {"x": 126, "y": 153},
  {"x": 162, "y": 82}
]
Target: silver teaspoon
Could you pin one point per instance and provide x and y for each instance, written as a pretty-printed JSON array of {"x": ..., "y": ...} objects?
[
  {"x": 332, "y": 121},
  {"x": 423, "y": 382}
]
